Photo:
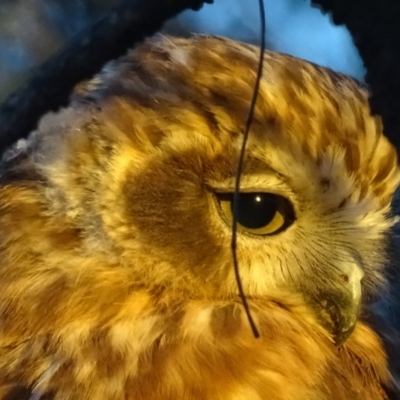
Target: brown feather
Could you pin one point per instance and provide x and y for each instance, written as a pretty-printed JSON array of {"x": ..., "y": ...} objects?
[{"x": 116, "y": 278}]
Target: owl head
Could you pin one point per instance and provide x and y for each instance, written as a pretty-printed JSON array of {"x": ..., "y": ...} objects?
[{"x": 118, "y": 209}]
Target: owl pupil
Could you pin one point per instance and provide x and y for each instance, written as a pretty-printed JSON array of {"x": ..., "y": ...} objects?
[{"x": 256, "y": 210}]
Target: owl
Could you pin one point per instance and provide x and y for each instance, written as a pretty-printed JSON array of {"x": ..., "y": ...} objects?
[{"x": 116, "y": 275}]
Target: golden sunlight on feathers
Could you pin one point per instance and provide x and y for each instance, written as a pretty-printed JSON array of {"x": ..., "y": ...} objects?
[{"x": 116, "y": 277}]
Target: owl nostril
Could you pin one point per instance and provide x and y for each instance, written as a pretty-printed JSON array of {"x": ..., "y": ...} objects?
[{"x": 345, "y": 278}]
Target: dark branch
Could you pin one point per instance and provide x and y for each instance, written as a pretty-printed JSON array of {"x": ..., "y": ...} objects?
[
  {"x": 375, "y": 28},
  {"x": 84, "y": 56}
]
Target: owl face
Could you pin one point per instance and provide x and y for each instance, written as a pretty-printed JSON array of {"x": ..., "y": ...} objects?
[{"x": 128, "y": 192}]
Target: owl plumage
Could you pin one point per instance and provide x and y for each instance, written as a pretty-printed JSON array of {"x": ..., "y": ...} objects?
[{"x": 116, "y": 277}]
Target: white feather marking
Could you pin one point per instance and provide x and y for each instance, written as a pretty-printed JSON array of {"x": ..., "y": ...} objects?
[{"x": 43, "y": 382}]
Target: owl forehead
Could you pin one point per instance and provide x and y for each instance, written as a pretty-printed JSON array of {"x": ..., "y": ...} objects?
[{"x": 177, "y": 93}]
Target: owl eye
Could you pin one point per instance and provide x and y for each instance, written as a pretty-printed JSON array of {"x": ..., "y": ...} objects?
[{"x": 258, "y": 213}]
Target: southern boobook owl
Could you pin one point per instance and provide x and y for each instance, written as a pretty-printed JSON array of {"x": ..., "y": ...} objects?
[{"x": 116, "y": 276}]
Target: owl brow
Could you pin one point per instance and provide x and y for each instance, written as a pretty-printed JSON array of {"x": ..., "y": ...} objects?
[{"x": 235, "y": 208}]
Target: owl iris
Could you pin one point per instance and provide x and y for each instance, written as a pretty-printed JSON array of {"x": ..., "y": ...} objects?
[{"x": 258, "y": 213}]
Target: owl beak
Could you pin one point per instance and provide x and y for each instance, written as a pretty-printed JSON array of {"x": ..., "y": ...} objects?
[{"x": 338, "y": 307}]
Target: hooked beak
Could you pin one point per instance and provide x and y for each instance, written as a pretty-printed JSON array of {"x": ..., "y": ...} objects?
[{"x": 338, "y": 307}]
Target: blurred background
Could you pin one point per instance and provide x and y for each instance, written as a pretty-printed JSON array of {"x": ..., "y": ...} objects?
[{"x": 33, "y": 30}]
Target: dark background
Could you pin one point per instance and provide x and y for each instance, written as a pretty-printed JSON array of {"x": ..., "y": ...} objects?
[{"x": 32, "y": 30}]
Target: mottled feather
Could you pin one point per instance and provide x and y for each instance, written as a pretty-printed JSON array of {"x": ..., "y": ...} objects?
[{"x": 116, "y": 279}]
